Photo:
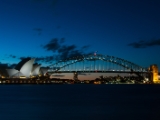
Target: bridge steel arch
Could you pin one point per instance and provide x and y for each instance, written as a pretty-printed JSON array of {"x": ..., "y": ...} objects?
[{"x": 106, "y": 58}]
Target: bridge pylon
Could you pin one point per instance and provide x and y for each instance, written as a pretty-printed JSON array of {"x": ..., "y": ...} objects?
[
  {"x": 154, "y": 73},
  {"x": 75, "y": 76}
]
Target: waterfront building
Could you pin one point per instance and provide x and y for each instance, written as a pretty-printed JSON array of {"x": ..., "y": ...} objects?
[
  {"x": 43, "y": 70},
  {"x": 35, "y": 70},
  {"x": 154, "y": 73},
  {"x": 23, "y": 68}
]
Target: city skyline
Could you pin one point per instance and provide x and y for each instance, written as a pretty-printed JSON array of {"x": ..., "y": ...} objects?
[{"x": 49, "y": 30}]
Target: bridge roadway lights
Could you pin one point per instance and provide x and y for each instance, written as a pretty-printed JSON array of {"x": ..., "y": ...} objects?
[{"x": 96, "y": 71}]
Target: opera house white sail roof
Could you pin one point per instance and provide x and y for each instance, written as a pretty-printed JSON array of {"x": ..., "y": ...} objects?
[
  {"x": 23, "y": 68},
  {"x": 44, "y": 70},
  {"x": 35, "y": 69}
]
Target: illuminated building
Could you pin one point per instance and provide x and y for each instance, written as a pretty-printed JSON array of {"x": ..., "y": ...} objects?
[
  {"x": 43, "y": 70},
  {"x": 23, "y": 68},
  {"x": 35, "y": 70},
  {"x": 154, "y": 73}
]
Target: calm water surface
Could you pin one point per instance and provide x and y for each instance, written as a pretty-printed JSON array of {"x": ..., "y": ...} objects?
[{"x": 80, "y": 102}]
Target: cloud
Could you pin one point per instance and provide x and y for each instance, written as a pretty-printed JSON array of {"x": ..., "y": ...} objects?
[
  {"x": 53, "y": 45},
  {"x": 12, "y": 56},
  {"x": 7, "y": 66},
  {"x": 145, "y": 44},
  {"x": 39, "y": 30},
  {"x": 69, "y": 52},
  {"x": 40, "y": 60},
  {"x": 46, "y": 59},
  {"x": 64, "y": 51},
  {"x": 22, "y": 58},
  {"x": 3, "y": 66},
  {"x": 12, "y": 65},
  {"x": 60, "y": 49},
  {"x": 85, "y": 47}
]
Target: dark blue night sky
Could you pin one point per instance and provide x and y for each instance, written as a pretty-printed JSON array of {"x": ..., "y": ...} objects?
[{"x": 45, "y": 29}]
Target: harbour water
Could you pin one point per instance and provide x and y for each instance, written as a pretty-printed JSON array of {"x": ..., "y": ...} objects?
[{"x": 79, "y": 102}]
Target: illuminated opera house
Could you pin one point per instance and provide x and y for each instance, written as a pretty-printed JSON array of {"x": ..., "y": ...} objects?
[{"x": 26, "y": 69}]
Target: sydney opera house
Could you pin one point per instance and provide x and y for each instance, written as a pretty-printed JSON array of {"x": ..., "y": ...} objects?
[{"x": 24, "y": 69}]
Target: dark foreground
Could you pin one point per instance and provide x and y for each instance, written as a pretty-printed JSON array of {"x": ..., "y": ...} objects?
[{"x": 80, "y": 102}]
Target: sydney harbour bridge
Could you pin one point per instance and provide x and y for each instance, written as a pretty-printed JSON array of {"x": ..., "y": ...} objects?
[{"x": 96, "y": 63}]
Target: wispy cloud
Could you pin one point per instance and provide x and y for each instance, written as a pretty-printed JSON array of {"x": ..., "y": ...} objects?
[
  {"x": 39, "y": 30},
  {"x": 46, "y": 59},
  {"x": 12, "y": 56},
  {"x": 145, "y": 44},
  {"x": 12, "y": 65},
  {"x": 43, "y": 59},
  {"x": 4, "y": 66}
]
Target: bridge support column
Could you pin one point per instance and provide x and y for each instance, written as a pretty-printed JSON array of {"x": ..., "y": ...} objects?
[
  {"x": 75, "y": 76},
  {"x": 154, "y": 74}
]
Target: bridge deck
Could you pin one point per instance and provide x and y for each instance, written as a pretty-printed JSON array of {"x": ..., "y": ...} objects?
[{"x": 97, "y": 71}]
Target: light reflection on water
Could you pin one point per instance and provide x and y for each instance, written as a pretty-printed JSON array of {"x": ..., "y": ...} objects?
[{"x": 79, "y": 102}]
